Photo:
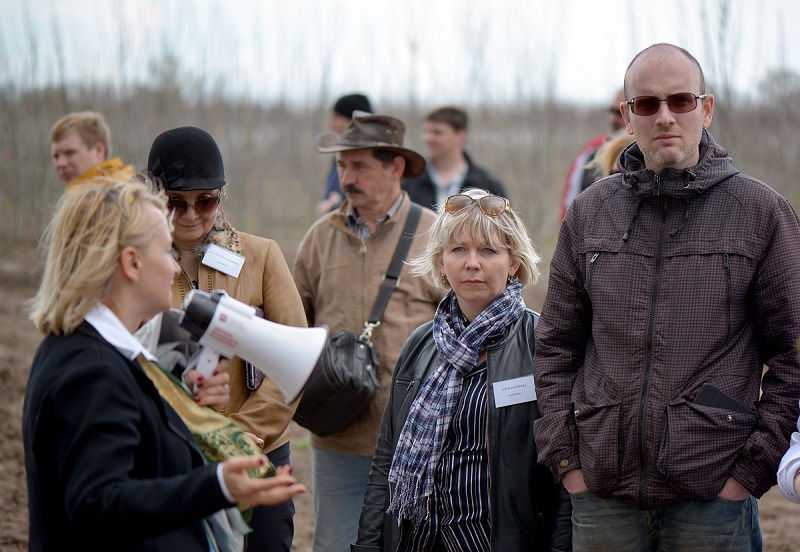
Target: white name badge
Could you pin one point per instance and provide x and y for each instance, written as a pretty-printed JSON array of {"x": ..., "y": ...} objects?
[
  {"x": 514, "y": 391},
  {"x": 225, "y": 261}
]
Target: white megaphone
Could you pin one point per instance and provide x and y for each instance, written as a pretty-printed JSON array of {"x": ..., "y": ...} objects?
[{"x": 226, "y": 327}]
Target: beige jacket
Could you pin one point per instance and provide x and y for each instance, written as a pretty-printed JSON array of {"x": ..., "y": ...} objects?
[
  {"x": 338, "y": 279},
  {"x": 265, "y": 281}
]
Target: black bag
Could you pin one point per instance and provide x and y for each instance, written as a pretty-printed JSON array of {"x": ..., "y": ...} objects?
[
  {"x": 346, "y": 374},
  {"x": 341, "y": 385}
]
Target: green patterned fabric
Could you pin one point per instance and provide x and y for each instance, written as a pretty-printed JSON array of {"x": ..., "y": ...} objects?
[{"x": 217, "y": 437}]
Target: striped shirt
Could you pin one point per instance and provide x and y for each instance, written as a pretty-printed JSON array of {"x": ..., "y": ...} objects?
[{"x": 459, "y": 517}]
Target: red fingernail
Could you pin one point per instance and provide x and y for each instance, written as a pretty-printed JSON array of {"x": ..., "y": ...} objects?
[
  {"x": 200, "y": 378},
  {"x": 260, "y": 461},
  {"x": 216, "y": 373},
  {"x": 290, "y": 470},
  {"x": 200, "y": 384}
]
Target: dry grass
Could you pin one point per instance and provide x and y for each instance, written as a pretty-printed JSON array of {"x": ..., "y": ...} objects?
[{"x": 276, "y": 177}]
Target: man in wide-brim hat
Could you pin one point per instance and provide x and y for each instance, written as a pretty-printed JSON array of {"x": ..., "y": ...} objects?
[
  {"x": 338, "y": 270},
  {"x": 369, "y": 138},
  {"x": 367, "y": 131}
]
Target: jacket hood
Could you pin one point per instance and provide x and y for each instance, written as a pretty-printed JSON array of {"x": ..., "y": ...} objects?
[{"x": 714, "y": 166}]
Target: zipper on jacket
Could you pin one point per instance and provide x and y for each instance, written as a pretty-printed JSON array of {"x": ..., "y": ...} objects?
[
  {"x": 726, "y": 265},
  {"x": 649, "y": 348},
  {"x": 408, "y": 385},
  {"x": 489, "y": 409},
  {"x": 656, "y": 184},
  {"x": 590, "y": 270}
]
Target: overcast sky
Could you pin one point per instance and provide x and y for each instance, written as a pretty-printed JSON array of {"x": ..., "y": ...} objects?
[{"x": 425, "y": 51}]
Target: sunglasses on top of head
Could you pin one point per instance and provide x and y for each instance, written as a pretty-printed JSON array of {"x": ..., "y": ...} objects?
[
  {"x": 677, "y": 103},
  {"x": 490, "y": 205},
  {"x": 204, "y": 206}
]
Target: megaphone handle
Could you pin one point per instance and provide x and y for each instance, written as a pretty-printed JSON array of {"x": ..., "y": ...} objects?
[{"x": 207, "y": 361}]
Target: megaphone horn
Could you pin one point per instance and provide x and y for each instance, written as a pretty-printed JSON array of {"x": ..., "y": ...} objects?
[{"x": 285, "y": 354}]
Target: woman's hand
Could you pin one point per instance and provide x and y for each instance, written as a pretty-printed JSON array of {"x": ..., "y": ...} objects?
[
  {"x": 267, "y": 491},
  {"x": 214, "y": 390},
  {"x": 256, "y": 439}
]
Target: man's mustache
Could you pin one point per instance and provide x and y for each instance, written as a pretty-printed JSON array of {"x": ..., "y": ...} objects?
[{"x": 352, "y": 189}]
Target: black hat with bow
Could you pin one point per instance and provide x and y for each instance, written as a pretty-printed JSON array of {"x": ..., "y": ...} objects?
[{"x": 186, "y": 158}]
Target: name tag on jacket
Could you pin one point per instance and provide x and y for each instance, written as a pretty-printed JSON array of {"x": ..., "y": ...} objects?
[
  {"x": 225, "y": 261},
  {"x": 514, "y": 391}
]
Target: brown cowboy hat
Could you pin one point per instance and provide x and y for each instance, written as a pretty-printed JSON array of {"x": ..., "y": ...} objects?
[{"x": 367, "y": 131}]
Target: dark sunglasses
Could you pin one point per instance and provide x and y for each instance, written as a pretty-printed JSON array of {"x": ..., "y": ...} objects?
[
  {"x": 490, "y": 205},
  {"x": 677, "y": 103},
  {"x": 203, "y": 207}
]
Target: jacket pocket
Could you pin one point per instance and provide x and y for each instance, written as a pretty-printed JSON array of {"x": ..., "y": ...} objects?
[
  {"x": 403, "y": 394},
  {"x": 699, "y": 446},
  {"x": 591, "y": 257},
  {"x": 599, "y": 425}
]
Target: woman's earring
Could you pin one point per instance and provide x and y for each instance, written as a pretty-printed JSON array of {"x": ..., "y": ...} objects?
[{"x": 445, "y": 282}]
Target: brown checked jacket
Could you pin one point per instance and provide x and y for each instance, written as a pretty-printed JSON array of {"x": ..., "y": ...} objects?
[{"x": 661, "y": 283}]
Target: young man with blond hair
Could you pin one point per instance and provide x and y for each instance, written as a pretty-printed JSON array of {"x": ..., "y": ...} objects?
[{"x": 80, "y": 145}]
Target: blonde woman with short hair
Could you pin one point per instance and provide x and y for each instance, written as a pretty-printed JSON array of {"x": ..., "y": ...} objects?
[{"x": 456, "y": 460}]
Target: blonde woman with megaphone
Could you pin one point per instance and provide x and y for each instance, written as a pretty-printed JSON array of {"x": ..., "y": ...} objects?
[{"x": 110, "y": 463}]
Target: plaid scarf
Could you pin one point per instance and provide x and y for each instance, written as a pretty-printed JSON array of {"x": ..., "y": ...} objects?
[{"x": 411, "y": 475}]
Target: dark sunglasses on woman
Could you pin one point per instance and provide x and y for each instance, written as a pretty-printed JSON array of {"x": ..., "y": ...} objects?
[{"x": 203, "y": 206}]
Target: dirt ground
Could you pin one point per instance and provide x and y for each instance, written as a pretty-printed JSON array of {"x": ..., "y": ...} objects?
[{"x": 19, "y": 275}]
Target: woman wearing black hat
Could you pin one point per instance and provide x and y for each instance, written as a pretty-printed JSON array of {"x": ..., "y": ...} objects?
[{"x": 187, "y": 164}]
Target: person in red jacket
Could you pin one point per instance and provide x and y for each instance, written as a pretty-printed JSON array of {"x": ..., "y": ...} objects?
[{"x": 578, "y": 178}]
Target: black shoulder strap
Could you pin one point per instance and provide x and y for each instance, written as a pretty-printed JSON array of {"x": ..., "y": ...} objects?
[{"x": 392, "y": 275}]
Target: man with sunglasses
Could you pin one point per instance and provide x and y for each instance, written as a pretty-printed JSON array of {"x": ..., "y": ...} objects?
[
  {"x": 339, "y": 270},
  {"x": 671, "y": 286}
]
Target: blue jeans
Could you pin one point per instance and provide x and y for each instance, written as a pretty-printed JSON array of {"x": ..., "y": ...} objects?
[
  {"x": 338, "y": 482},
  {"x": 603, "y": 524}
]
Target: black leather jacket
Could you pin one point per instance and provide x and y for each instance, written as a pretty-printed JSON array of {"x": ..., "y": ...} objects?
[{"x": 528, "y": 510}]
